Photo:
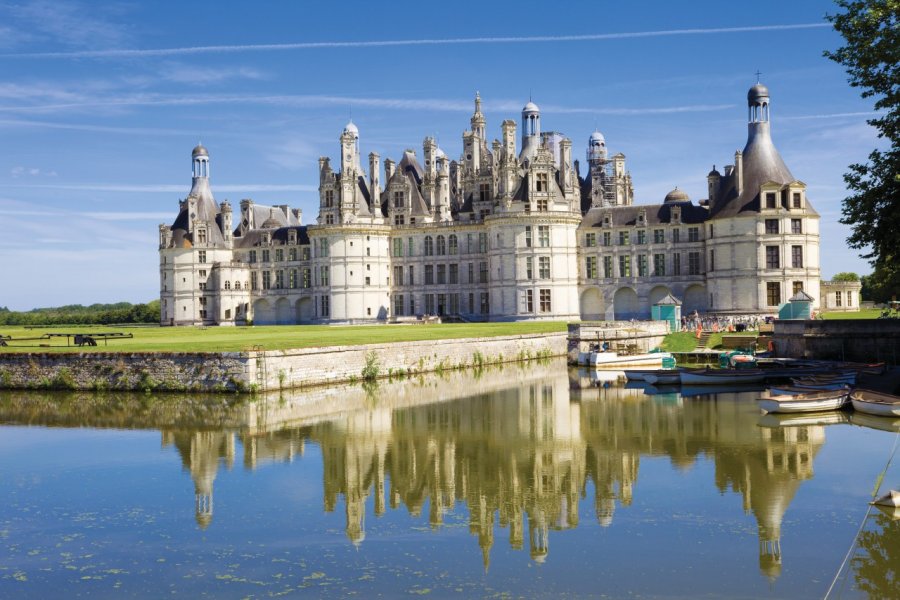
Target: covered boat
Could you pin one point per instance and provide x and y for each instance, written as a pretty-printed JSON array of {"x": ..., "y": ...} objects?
[
  {"x": 876, "y": 403},
  {"x": 800, "y": 403},
  {"x": 614, "y": 360},
  {"x": 720, "y": 376}
]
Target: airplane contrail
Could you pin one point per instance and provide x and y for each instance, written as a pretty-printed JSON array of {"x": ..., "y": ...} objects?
[{"x": 149, "y": 52}]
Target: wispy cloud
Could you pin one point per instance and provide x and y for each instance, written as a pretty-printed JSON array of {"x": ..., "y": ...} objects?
[
  {"x": 830, "y": 116},
  {"x": 327, "y": 101},
  {"x": 167, "y": 188},
  {"x": 28, "y": 123},
  {"x": 152, "y": 52},
  {"x": 20, "y": 171},
  {"x": 70, "y": 23}
]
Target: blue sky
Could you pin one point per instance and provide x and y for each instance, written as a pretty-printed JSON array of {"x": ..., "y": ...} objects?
[{"x": 101, "y": 104}]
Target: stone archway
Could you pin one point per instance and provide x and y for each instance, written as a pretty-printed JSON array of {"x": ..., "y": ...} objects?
[
  {"x": 283, "y": 312},
  {"x": 626, "y": 304},
  {"x": 305, "y": 310},
  {"x": 658, "y": 293},
  {"x": 695, "y": 298},
  {"x": 263, "y": 313},
  {"x": 591, "y": 305}
]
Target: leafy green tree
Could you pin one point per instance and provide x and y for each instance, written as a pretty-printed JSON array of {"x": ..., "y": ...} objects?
[
  {"x": 845, "y": 276},
  {"x": 871, "y": 55}
]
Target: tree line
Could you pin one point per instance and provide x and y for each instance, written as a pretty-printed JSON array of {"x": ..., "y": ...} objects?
[{"x": 77, "y": 314}]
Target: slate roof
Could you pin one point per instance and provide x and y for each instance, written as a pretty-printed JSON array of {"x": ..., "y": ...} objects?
[{"x": 656, "y": 214}]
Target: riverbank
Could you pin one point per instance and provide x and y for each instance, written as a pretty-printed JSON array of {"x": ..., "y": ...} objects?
[{"x": 262, "y": 370}]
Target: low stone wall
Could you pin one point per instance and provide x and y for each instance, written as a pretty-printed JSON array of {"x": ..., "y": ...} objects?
[
  {"x": 644, "y": 335},
  {"x": 315, "y": 366},
  {"x": 860, "y": 340},
  {"x": 246, "y": 371}
]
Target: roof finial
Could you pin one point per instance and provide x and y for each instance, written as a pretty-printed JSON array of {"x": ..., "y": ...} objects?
[{"x": 758, "y": 73}]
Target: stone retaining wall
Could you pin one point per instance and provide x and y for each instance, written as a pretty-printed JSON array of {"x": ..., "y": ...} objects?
[
  {"x": 860, "y": 340},
  {"x": 246, "y": 371}
]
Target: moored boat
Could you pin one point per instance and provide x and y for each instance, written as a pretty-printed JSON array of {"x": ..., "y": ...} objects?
[
  {"x": 892, "y": 498},
  {"x": 720, "y": 376},
  {"x": 614, "y": 360},
  {"x": 848, "y": 378},
  {"x": 876, "y": 403},
  {"x": 806, "y": 389},
  {"x": 799, "y": 403},
  {"x": 641, "y": 374},
  {"x": 663, "y": 377}
]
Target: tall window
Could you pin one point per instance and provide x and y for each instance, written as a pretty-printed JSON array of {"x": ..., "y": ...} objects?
[
  {"x": 485, "y": 306},
  {"x": 541, "y": 183},
  {"x": 693, "y": 263},
  {"x": 528, "y": 236},
  {"x": 642, "y": 265},
  {"x": 590, "y": 240},
  {"x": 772, "y": 261},
  {"x": 442, "y": 274},
  {"x": 398, "y": 305},
  {"x": 607, "y": 266},
  {"x": 543, "y": 236},
  {"x": 307, "y": 278},
  {"x": 659, "y": 236},
  {"x": 399, "y": 219},
  {"x": 482, "y": 242},
  {"x": 323, "y": 275},
  {"x": 590, "y": 267},
  {"x": 429, "y": 245},
  {"x": 441, "y": 245},
  {"x": 641, "y": 236},
  {"x": 607, "y": 238},
  {"x": 279, "y": 254},
  {"x": 796, "y": 225},
  {"x": 797, "y": 257},
  {"x": 712, "y": 260},
  {"x": 623, "y": 238},
  {"x": 482, "y": 272},
  {"x": 454, "y": 273},
  {"x": 398, "y": 199},
  {"x": 398, "y": 275},
  {"x": 201, "y": 236},
  {"x": 484, "y": 192},
  {"x": 795, "y": 200},
  {"x": 545, "y": 300},
  {"x": 266, "y": 279},
  {"x": 252, "y": 257},
  {"x": 659, "y": 265},
  {"x": 412, "y": 279},
  {"x": 837, "y": 298},
  {"x": 429, "y": 274},
  {"x": 398, "y": 246},
  {"x": 676, "y": 235},
  {"x": 201, "y": 256},
  {"x": 773, "y": 293},
  {"x": 279, "y": 279},
  {"x": 771, "y": 200},
  {"x": 771, "y": 226},
  {"x": 529, "y": 267},
  {"x": 410, "y": 247},
  {"x": 329, "y": 219},
  {"x": 624, "y": 266},
  {"x": 292, "y": 254},
  {"x": 544, "y": 267},
  {"x": 324, "y": 248},
  {"x": 471, "y": 270},
  {"x": 676, "y": 263},
  {"x": 325, "y": 305},
  {"x": 453, "y": 244},
  {"x": 529, "y": 300},
  {"x": 849, "y": 298},
  {"x": 542, "y": 204},
  {"x": 693, "y": 234},
  {"x": 265, "y": 256},
  {"x": 329, "y": 198}
]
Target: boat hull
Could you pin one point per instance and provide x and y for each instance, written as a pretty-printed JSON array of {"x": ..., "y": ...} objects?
[
  {"x": 803, "y": 403},
  {"x": 710, "y": 377},
  {"x": 613, "y": 360},
  {"x": 876, "y": 403}
]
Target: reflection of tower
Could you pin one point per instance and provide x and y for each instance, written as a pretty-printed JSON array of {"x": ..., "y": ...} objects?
[
  {"x": 538, "y": 537},
  {"x": 200, "y": 453}
]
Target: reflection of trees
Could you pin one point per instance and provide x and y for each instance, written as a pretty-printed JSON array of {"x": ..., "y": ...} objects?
[{"x": 877, "y": 570}]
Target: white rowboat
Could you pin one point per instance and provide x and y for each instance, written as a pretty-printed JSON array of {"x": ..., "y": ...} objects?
[
  {"x": 614, "y": 360},
  {"x": 876, "y": 403},
  {"x": 800, "y": 403}
]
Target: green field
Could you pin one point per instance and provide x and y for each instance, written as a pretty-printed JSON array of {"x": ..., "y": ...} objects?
[
  {"x": 282, "y": 337},
  {"x": 871, "y": 313}
]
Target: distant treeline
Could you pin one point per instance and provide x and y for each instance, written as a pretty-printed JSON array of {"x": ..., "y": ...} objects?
[{"x": 77, "y": 314}]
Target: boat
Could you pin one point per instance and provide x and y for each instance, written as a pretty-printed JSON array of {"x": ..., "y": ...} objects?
[
  {"x": 848, "y": 378},
  {"x": 742, "y": 361},
  {"x": 720, "y": 376},
  {"x": 613, "y": 360},
  {"x": 640, "y": 374},
  {"x": 663, "y": 377},
  {"x": 800, "y": 403},
  {"x": 805, "y": 389},
  {"x": 892, "y": 498},
  {"x": 876, "y": 403}
]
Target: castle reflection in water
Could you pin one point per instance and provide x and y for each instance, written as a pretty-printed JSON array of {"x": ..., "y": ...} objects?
[{"x": 516, "y": 446}]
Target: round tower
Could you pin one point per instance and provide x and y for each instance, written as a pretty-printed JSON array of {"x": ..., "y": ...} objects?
[
  {"x": 596, "y": 150},
  {"x": 531, "y": 121},
  {"x": 200, "y": 161}
]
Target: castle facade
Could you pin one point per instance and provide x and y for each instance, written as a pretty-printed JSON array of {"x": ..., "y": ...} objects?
[{"x": 511, "y": 230}]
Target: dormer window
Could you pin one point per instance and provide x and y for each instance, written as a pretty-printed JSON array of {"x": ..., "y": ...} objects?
[
  {"x": 329, "y": 198},
  {"x": 642, "y": 217},
  {"x": 796, "y": 200},
  {"x": 398, "y": 200},
  {"x": 266, "y": 239},
  {"x": 676, "y": 214},
  {"x": 542, "y": 183},
  {"x": 292, "y": 237},
  {"x": 201, "y": 236},
  {"x": 607, "y": 221},
  {"x": 771, "y": 200}
]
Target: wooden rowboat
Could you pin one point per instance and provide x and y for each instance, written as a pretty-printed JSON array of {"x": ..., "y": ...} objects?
[
  {"x": 720, "y": 376},
  {"x": 614, "y": 360},
  {"x": 641, "y": 374},
  {"x": 876, "y": 403},
  {"x": 892, "y": 498},
  {"x": 780, "y": 390},
  {"x": 800, "y": 403}
]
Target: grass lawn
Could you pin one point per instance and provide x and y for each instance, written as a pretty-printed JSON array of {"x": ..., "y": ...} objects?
[
  {"x": 686, "y": 341},
  {"x": 869, "y": 313},
  {"x": 282, "y": 337}
]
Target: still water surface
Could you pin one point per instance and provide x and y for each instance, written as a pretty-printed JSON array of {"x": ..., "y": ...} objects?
[{"x": 517, "y": 482}]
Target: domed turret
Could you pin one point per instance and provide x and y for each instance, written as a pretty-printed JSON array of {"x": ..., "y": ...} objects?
[
  {"x": 351, "y": 129},
  {"x": 757, "y": 92},
  {"x": 200, "y": 161},
  {"x": 199, "y": 150},
  {"x": 677, "y": 195},
  {"x": 596, "y": 148}
]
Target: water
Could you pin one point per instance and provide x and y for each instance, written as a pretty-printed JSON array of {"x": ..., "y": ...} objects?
[{"x": 511, "y": 483}]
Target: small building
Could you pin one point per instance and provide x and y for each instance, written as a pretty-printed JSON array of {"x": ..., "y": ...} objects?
[
  {"x": 840, "y": 296},
  {"x": 668, "y": 309},
  {"x": 798, "y": 307}
]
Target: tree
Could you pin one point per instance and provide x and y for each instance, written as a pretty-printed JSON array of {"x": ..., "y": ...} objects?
[
  {"x": 871, "y": 30},
  {"x": 845, "y": 276}
]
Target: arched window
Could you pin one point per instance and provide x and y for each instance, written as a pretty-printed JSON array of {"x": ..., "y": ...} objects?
[
  {"x": 441, "y": 246},
  {"x": 454, "y": 244},
  {"x": 429, "y": 245},
  {"x": 237, "y": 285},
  {"x": 227, "y": 285}
]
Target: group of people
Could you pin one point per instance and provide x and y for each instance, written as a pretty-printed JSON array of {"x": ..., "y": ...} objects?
[{"x": 715, "y": 324}]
